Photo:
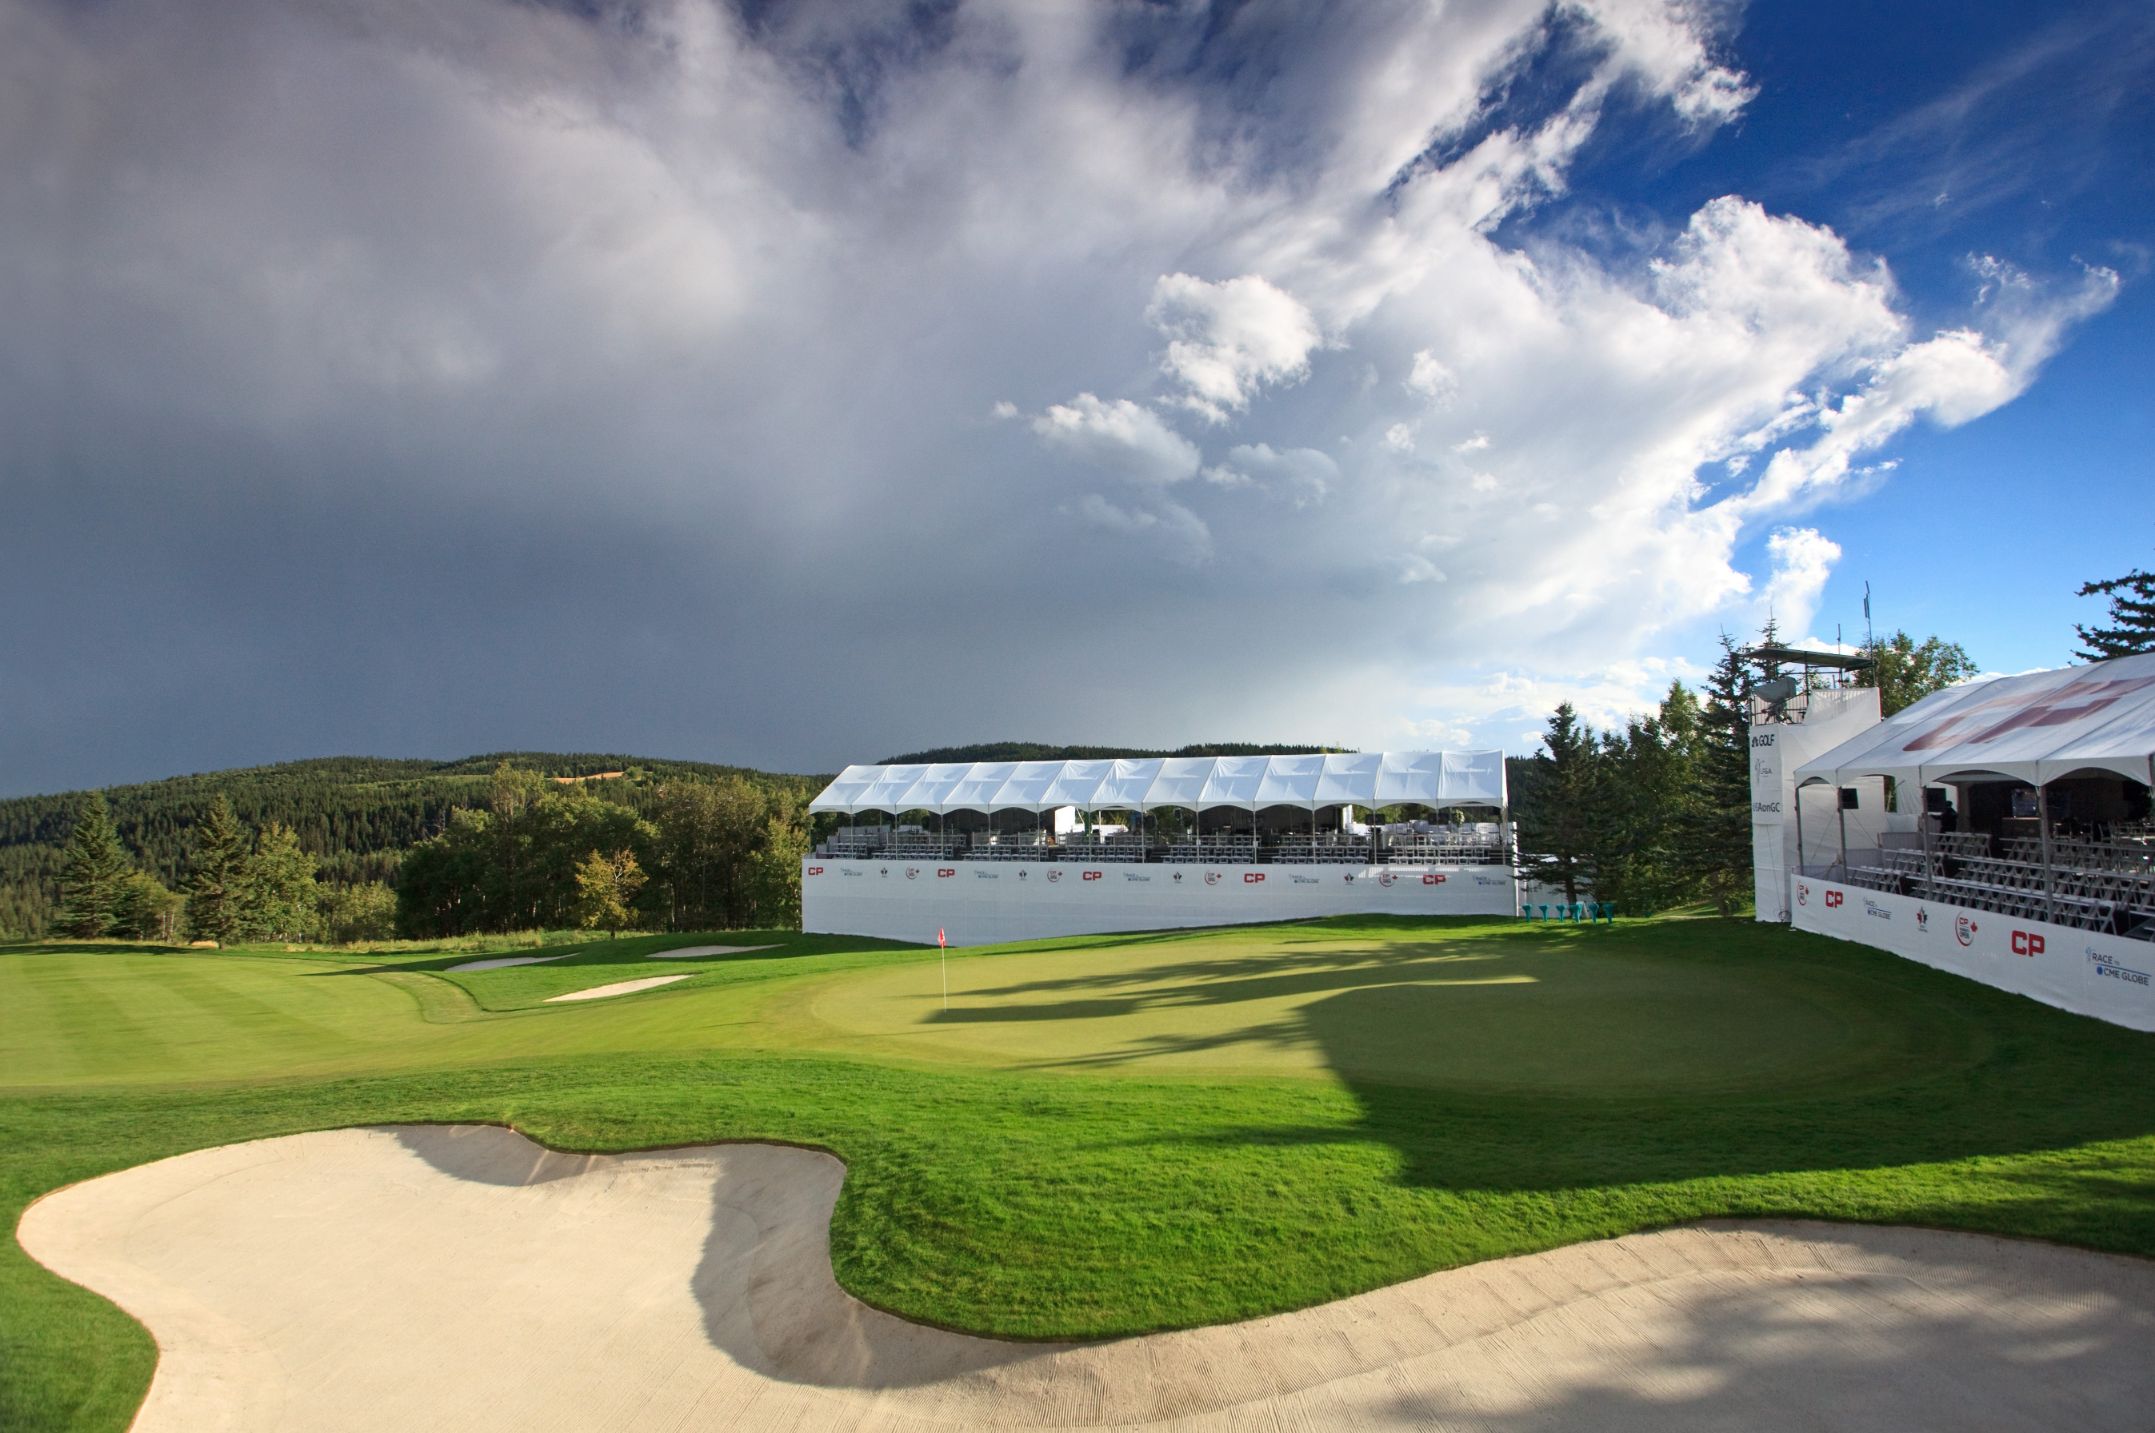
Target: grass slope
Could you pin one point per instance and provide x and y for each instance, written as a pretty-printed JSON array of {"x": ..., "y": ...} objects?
[{"x": 1107, "y": 1135}]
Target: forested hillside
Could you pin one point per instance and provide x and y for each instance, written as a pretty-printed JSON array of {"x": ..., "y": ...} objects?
[
  {"x": 1043, "y": 751},
  {"x": 356, "y": 815}
]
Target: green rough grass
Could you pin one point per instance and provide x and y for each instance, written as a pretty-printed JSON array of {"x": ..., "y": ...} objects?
[{"x": 1108, "y": 1135}]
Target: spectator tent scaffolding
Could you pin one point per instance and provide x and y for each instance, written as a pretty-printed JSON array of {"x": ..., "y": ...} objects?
[{"x": 2047, "y": 868}]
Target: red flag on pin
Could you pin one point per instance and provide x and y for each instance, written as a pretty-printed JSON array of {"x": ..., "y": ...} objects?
[{"x": 939, "y": 940}]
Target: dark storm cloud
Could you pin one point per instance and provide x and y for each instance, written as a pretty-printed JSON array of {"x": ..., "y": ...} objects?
[{"x": 674, "y": 378}]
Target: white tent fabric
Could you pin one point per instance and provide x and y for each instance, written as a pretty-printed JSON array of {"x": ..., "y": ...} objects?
[
  {"x": 2033, "y": 728},
  {"x": 1428, "y": 778}
]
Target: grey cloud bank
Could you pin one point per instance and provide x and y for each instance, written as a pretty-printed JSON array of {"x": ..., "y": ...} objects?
[{"x": 409, "y": 379}]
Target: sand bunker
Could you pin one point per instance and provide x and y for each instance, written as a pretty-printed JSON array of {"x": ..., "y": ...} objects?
[
  {"x": 463, "y": 1277},
  {"x": 621, "y": 987},
  {"x": 686, "y": 952},
  {"x": 502, "y": 962}
]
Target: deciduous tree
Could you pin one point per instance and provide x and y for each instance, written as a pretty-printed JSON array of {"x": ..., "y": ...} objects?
[
  {"x": 606, "y": 886},
  {"x": 1906, "y": 671}
]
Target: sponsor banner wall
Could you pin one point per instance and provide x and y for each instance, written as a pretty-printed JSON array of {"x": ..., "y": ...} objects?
[
  {"x": 985, "y": 902},
  {"x": 2106, "y": 976}
]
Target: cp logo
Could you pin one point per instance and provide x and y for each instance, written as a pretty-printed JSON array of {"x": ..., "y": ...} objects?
[
  {"x": 815, "y": 870},
  {"x": 1834, "y": 898},
  {"x": 2027, "y": 942},
  {"x": 1433, "y": 878},
  {"x": 1094, "y": 875},
  {"x": 944, "y": 873},
  {"x": 1251, "y": 878}
]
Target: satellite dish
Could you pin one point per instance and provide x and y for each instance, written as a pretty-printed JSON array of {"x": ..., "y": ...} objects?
[{"x": 1775, "y": 693}]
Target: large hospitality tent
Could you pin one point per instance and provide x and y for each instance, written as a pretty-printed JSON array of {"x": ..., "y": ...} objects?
[
  {"x": 1192, "y": 783},
  {"x": 2036, "y": 728}
]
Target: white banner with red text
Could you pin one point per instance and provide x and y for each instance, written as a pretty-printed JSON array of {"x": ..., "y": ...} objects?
[
  {"x": 987, "y": 902},
  {"x": 2106, "y": 976}
]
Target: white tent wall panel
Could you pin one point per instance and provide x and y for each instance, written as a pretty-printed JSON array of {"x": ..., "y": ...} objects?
[
  {"x": 1777, "y": 750},
  {"x": 2106, "y": 976},
  {"x": 984, "y": 903}
]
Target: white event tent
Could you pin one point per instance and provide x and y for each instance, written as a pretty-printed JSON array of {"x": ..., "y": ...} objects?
[
  {"x": 1250, "y": 783},
  {"x": 2035, "y": 728}
]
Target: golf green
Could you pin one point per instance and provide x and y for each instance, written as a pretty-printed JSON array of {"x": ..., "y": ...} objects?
[{"x": 1112, "y": 1134}]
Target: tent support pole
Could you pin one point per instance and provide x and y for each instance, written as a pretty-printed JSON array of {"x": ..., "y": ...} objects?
[
  {"x": 2042, "y": 823},
  {"x": 1840, "y": 811},
  {"x": 1923, "y": 823},
  {"x": 1796, "y": 800}
]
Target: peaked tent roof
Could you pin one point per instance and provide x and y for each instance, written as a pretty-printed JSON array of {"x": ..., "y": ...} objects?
[
  {"x": 2034, "y": 728},
  {"x": 1372, "y": 778}
]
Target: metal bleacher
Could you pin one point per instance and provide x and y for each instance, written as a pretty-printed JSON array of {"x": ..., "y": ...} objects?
[{"x": 2089, "y": 885}]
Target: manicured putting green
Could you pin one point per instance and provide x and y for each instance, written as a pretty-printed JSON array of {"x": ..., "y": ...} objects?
[{"x": 1482, "y": 1009}]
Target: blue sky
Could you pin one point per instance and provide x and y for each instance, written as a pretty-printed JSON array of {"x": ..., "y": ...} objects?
[{"x": 800, "y": 383}]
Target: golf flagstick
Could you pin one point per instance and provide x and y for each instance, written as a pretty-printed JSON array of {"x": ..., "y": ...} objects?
[{"x": 943, "y": 945}]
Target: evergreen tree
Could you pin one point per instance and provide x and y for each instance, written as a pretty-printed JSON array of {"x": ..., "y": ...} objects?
[
  {"x": 1716, "y": 834},
  {"x": 2132, "y": 617},
  {"x": 96, "y": 867},
  {"x": 606, "y": 886},
  {"x": 217, "y": 893},
  {"x": 1558, "y": 820},
  {"x": 279, "y": 897}
]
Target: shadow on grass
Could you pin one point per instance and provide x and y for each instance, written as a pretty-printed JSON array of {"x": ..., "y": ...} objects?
[{"x": 1590, "y": 1084}]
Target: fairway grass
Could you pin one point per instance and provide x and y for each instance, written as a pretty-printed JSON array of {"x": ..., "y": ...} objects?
[{"x": 1114, "y": 1134}]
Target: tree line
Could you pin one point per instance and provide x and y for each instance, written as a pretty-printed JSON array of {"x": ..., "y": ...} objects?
[
  {"x": 355, "y": 815},
  {"x": 699, "y": 855},
  {"x": 1657, "y": 813}
]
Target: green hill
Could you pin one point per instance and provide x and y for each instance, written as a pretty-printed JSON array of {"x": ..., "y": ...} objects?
[
  {"x": 1044, "y": 751},
  {"x": 357, "y": 814}
]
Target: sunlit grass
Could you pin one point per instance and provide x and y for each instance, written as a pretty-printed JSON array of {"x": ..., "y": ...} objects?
[{"x": 1111, "y": 1134}]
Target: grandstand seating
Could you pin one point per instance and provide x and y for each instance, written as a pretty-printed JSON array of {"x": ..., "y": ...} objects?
[{"x": 2104, "y": 895}]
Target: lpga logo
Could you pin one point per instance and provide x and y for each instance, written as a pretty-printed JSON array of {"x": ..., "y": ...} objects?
[
  {"x": 1178, "y": 878},
  {"x": 1094, "y": 875},
  {"x": 1964, "y": 931}
]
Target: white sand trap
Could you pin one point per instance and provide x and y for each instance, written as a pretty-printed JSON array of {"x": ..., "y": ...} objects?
[
  {"x": 621, "y": 987},
  {"x": 503, "y": 962},
  {"x": 688, "y": 951},
  {"x": 462, "y": 1277}
]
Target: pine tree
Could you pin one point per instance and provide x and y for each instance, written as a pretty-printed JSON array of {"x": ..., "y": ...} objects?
[
  {"x": 217, "y": 894},
  {"x": 1716, "y": 841},
  {"x": 2132, "y": 618},
  {"x": 1558, "y": 819},
  {"x": 96, "y": 867}
]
